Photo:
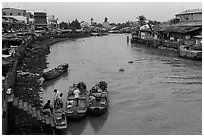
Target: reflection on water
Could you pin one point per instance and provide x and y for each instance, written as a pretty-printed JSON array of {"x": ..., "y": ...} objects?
[
  {"x": 76, "y": 127},
  {"x": 159, "y": 93},
  {"x": 97, "y": 122}
]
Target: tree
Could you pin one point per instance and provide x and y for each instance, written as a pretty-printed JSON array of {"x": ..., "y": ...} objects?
[
  {"x": 99, "y": 25},
  {"x": 106, "y": 19},
  {"x": 141, "y": 20},
  {"x": 75, "y": 25},
  {"x": 92, "y": 21},
  {"x": 63, "y": 25}
]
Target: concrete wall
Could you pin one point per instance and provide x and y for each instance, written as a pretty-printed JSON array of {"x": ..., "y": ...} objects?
[
  {"x": 13, "y": 12},
  {"x": 190, "y": 17}
]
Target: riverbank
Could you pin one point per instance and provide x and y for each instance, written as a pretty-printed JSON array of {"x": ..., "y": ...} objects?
[{"x": 27, "y": 85}]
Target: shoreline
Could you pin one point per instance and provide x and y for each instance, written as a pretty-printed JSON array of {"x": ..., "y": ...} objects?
[{"x": 28, "y": 82}]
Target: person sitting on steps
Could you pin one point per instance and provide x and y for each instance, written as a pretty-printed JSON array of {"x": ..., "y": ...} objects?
[{"x": 47, "y": 109}]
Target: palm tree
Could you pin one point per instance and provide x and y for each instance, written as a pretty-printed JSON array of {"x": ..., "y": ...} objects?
[
  {"x": 141, "y": 20},
  {"x": 92, "y": 21},
  {"x": 106, "y": 19}
]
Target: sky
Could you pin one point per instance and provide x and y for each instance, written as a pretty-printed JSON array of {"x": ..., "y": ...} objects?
[{"x": 117, "y": 12}]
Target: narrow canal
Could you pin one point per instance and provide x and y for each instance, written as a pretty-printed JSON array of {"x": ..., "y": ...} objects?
[{"x": 159, "y": 93}]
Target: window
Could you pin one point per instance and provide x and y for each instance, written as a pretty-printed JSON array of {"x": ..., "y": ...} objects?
[
  {"x": 11, "y": 14},
  {"x": 4, "y": 13},
  {"x": 19, "y": 13}
]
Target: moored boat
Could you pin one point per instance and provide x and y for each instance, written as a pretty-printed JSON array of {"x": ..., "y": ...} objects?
[
  {"x": 60, "y": 119},
  {"x": 98, "y": 99},
  {"x": 187, "y": 52},
  {"x": 55, "y": 71},
  {"x": 59, "y": 116},
  {"x": 73, "y": 110}
]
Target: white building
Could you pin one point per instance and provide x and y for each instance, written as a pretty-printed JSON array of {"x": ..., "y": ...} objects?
[
  {"x": 190, "y": 15},
  {"x": 18, "y": 14},
  {"x": 52, "y": 22}
]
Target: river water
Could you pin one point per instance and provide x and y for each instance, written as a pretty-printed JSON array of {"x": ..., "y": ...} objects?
[{"x": 159, "y": 93}]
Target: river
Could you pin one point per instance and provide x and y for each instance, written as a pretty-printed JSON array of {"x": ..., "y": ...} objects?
[{"x": 159, "y": 93}]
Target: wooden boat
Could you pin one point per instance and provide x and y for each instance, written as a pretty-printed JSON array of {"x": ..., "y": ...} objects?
[
  {"x": 55, "y": 71},
  {"x": 98, "y": 99},
  {"x": 59, "y": 116},
  {"x": 72, "y": 110},
  {"x": 187, "y": 52},
  {"x": 60, "y": 120}
]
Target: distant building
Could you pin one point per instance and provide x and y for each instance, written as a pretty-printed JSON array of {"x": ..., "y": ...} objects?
[
  {"x": 14, "y": 19},
  {"x": 146, "y": 33},
  {"x": 106, "y": 25},
  {"x": 30, "y": 17},
  {"x": 85, "y": 24},
  {"x": 189, "y": 26},
  {"x": 17, "y": 14},
  {"x": 190, "y": 15},
  {"x": 13, "y": 12},
  {"x": 40, "y": 20},
  {"x": 52, "y": 22}
]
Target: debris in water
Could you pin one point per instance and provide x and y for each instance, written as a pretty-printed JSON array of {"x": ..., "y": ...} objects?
[
  {"x": 121, "y": 69},
  {"x": 130, "y": 61}
]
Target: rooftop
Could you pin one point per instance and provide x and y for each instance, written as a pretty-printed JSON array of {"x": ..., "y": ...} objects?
[
  {"x": 190, "y": 11},
  {"x": 12, "y": 9}
]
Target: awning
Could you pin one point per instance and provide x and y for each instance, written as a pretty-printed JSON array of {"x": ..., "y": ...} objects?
[
  {"x": 191, "y": 29},
  {"x": 181, "y": 29}
]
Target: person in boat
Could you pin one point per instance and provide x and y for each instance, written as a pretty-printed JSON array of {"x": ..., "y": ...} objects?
[
  {"x": 76, "y": 96},
  {"x": 47, "y": 108},
  {"x": 60, "y": 100},
  {"x": 92, "y": 98},
  {"x": 82, "y": 87},
  {"x": 95, "y": 88},
  {"x": 99, "y": 90}
]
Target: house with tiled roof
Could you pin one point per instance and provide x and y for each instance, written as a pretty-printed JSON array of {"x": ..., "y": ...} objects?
[{"x": 188, "y": 26}]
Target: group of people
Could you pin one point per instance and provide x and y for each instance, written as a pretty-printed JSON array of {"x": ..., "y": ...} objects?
[
  {"x": 58, "y": 102},
  {"x": 78, "y": 90}
]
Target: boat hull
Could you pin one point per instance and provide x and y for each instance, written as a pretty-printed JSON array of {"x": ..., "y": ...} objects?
[
  {"x": 75, "y": 114},
  {"x": 72, "y": 110},
  {"x": 98, "y": 99},
  {"x": 60, "y": 124},
  {"x": 97, "y": 110},
  {"x": 190, "y": 54},
  {"x": 54, "y": 72}
]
